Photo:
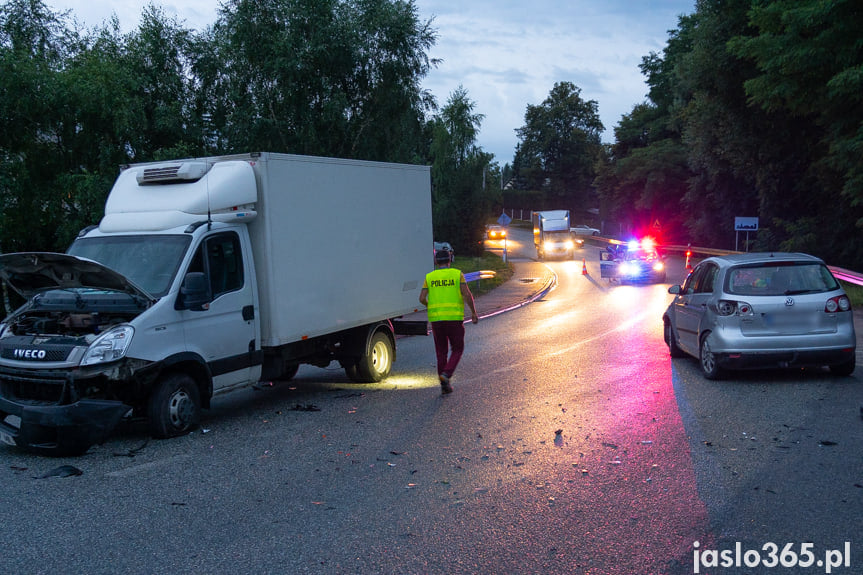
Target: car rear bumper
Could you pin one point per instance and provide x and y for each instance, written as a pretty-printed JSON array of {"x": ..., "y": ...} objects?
[{"x": 786, "y": 358}]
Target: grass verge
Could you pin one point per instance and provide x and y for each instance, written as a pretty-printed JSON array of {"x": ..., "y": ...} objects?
[{"x": 489, "y": 261}]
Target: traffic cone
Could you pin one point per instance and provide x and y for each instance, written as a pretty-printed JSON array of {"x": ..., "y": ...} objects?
[
  {"x": 688, "y": 253},
  {"x": 583, "y": 266}
]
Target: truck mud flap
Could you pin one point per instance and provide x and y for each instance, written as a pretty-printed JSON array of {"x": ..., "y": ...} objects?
[{"x": 411, "y": 327}]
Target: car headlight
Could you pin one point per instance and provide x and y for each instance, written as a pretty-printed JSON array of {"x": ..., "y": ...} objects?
[
  {"x": 109, "y": 346},
  {"x": 570, "y": 245}
]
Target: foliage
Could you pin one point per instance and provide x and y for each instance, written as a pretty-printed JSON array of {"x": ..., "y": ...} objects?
[
  {"x": 461, "y": 202},
  {"x": 559, "y": 145},
  {"x": 335, "y": 77},
  {"x": 318, "y": 77},
  {"x": 487, "y": 261},
  {"x": 755, "y": 109}
]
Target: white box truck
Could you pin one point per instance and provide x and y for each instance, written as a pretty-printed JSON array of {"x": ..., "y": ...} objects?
[
  {"x": 205, "y": 275},
  {"x": 551, "y": 234}
]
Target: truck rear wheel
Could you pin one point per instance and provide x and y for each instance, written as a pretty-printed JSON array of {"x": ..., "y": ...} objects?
[
  {"x": 377, "y": 363},
  {"x": 175, "y": 406}
]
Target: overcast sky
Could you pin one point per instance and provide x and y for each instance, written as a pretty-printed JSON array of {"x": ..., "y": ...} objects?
[{"x": 506, "y": 53}]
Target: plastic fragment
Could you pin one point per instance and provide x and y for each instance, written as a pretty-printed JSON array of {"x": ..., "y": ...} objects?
[{"x": 62, "y": 471}]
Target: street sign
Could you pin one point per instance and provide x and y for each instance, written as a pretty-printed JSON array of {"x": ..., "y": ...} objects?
[
  {"x": 746, "y": 224},
  {"x": 504, "y": 219}
]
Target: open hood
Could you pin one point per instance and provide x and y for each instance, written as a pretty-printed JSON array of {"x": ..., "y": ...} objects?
[{"x": 29, "y": 273}]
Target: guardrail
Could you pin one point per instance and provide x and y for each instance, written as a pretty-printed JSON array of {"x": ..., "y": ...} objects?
[{"x": 840, "y": 273}]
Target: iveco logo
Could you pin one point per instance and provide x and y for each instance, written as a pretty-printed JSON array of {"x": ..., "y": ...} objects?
[
  {"x": 29, "y": 354},
  {"x": 789, "y": 301}
]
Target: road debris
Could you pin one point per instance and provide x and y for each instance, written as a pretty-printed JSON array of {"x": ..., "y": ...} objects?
[
  {"x": 305, "y": 407},
  {"x": 62, "y": 471}
]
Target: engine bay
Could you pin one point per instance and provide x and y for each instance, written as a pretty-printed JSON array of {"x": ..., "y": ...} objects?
[{"x": 73, "y": 314}]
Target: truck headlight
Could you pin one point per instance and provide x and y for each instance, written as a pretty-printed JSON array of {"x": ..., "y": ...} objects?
[{"x": 109, "y": 346}]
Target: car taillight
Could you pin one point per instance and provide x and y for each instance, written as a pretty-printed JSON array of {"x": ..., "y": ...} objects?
[
  {"x": 730, "y": 307},
  {"x": 838, "y": 303}
]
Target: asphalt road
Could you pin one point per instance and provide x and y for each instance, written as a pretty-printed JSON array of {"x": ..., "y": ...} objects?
[{"x": 572, "y": 444}]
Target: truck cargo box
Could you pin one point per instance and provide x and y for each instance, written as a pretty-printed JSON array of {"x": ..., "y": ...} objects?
[{"x": 338, "y": 243}]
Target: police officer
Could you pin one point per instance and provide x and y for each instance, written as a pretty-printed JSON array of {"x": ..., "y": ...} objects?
[{"x": 444, "y": 292}]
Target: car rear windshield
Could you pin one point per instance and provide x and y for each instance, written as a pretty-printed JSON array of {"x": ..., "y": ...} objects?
[{"x": 780, "y": 279}]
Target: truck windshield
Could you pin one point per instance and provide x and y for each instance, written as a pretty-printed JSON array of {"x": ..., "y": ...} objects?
[{"x": 150, "y": 262}]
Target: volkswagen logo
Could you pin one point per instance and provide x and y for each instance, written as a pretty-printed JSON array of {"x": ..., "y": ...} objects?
[{"x": 789, "y": 301}]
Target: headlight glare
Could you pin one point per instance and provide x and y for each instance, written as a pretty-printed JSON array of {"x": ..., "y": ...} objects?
[{"x": 110, "y": 346}]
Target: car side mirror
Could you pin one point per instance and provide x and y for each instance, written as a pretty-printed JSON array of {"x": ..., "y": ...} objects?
[
  {"x": 675, "y": 289},
  {"x": 194, "y": 293}
]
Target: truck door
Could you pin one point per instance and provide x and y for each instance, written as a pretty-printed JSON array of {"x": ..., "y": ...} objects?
[{"x": 224, "y": 332}]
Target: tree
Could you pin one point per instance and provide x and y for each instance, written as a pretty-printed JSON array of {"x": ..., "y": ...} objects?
[
  {"x": 810, "y": 71},
  {"x": 559, "y": 145},
  {"x": 321, "y": 77},
  {"x": 34, "y": 43},
  {"x": 460, "y": 202}
]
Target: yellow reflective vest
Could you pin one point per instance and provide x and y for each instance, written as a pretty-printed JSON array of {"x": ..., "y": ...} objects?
[{"x": 445, "y": 302}]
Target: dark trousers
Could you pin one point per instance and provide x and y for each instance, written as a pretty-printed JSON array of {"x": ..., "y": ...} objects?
[{"x": 448, "y": 334}]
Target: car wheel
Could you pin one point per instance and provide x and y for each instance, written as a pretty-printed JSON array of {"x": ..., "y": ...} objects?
[
  {"x": 376, "y": 365},
  {"x": 673, "y": 350},
  {"x": 174, "y": 407},
  {"x": 707, "y": 359},
  {"x": 843, "y": 369}
]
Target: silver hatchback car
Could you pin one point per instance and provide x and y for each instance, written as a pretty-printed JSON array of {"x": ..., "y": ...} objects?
[{"x": 761, "y": 310}]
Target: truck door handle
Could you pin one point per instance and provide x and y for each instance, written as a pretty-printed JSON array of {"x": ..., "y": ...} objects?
[{"x": 248, "y": 312}]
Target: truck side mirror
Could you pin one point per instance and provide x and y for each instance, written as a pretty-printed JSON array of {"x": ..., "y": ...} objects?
[{"x": 194, "y": 293}]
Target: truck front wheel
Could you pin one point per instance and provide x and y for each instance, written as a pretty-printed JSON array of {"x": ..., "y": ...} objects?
[
  {"x": 377, "y": 363},
  {"x": 175, "y": 406}
]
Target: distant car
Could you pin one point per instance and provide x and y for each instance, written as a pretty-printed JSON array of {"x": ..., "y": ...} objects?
[
  {"x": 495, "y": 232},
  {"x": 637, "y": 262},
  {"x": 584, "y": 230},
  {"x": 761, "y": 310}
]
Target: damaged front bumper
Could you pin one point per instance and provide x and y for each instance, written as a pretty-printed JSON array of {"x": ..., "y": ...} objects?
[
  {"x": 59, "y": 429},
  {"x": 45, "y": 410}
]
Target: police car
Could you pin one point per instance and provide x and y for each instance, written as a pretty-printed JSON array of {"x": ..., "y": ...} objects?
[{"x": 635, "y": 262}]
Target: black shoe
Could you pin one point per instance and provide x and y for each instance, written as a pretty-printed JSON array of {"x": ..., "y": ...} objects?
[{"x": 444, "y": 384}]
